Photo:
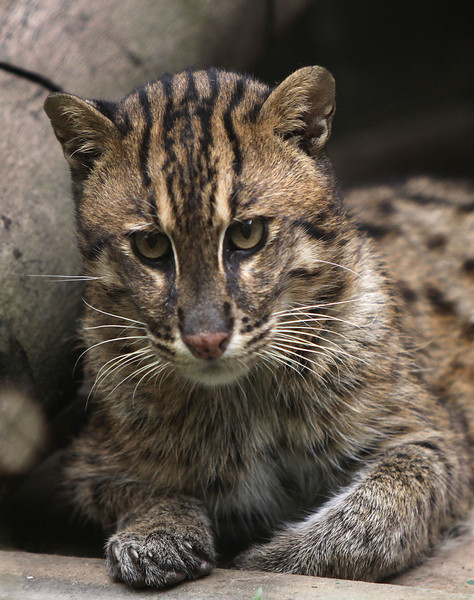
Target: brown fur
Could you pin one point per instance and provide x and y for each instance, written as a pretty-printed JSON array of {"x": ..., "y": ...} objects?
[{"x": 322, "y": 409}]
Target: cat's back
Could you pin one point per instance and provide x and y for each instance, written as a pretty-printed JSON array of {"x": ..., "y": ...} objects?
[{"x": 425, "y": 230}]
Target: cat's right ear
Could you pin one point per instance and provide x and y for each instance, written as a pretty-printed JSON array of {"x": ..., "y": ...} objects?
[{"x": 82, "y": 129}]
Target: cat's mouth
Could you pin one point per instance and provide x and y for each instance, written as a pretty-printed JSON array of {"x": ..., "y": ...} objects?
[
  {"x": 214, "y": 371},
  {"x": 211, "y": 371}
]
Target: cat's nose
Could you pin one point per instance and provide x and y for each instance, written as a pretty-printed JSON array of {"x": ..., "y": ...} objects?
[{"x": 207, "y": 345}]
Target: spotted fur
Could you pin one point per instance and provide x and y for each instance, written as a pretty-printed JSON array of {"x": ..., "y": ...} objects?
[{"x": 279, "y": 399}]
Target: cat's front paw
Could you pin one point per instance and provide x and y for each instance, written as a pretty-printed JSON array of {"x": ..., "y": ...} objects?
[
  {"x": 265, "y": 557},
  {"x": 158, "y": 559}
]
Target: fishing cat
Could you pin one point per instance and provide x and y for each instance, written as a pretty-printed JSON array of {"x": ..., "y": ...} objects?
[{"x": 258, "y": 381}]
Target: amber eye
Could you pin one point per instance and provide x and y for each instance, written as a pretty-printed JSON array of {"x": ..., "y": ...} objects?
[
  {"x": 246, "y": 235},
  {"x": 151, "y": 246}
]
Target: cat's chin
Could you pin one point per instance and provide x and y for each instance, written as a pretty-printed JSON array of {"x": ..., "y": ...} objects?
[{"x": 214, "y": 373}]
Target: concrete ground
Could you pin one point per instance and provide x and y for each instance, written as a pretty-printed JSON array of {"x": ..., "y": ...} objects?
[
  {"x": 26, "y": 576},
  {"x": 448, "y": 575}
]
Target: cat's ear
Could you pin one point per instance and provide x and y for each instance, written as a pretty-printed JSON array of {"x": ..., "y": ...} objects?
[
  {"x": 303, "y": 105},
  {"x": 82, "y": 129}
]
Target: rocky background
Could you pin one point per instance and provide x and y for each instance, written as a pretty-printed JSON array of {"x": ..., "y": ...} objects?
[{"x": 405, "y": 91}]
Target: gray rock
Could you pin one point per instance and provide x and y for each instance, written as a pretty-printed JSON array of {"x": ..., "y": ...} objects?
[{"x": 43, "y": 577}]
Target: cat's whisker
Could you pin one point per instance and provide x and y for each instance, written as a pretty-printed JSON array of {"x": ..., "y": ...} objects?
[
  {"x": 141, "y": 201},
  {"x": 244, "y": 393},
  {"x": 63, "y": 278},
  {"x": 125, "y": 355},
  {"x": 119, "y": 363},
  {"x": 167, "y": 371},
  {"x": 117, "y": 327},
  {"x": 265, "y": 361},
  {"x": 141, "y": 227},
  {"x": 127, "y": 378},
  {"x": 283, "y": 359},
  {"x": 148, "y": 371},
  {"x": 117, "y": 339},
  {"x": 286, "y": 348},
  {"x": 311, "y": 331},
  {"x": 326, "y": 262},
  {"x": 156, "y": 372},
  {"x": 103, "y": 312},
  {"x": 307, "y": 344},
  {"x": 318, "y": 317},
  {"x": 301, "y": 307}
]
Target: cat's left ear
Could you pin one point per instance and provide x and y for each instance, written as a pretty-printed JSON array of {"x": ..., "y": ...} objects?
[
  {"x": 303, "y": 105},
  {"x": 83, "y": 130}
]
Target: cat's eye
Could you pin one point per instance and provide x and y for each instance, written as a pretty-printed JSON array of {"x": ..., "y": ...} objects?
[
  {"x": 246, "y": 235},
  {"x": 151, "y": 246}
]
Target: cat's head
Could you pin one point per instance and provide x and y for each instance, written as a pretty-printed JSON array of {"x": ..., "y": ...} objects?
[{"x": 206, "y": 212}]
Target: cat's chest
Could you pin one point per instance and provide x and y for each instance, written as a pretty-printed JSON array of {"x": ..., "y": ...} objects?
[{"x": 233, "y": 459}]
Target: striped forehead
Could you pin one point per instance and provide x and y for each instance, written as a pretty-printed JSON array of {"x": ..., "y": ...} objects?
[{"x": 190, "y": 154}]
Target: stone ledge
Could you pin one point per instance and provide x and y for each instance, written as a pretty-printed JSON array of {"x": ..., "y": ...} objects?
[{"x": 50, "y": 577}]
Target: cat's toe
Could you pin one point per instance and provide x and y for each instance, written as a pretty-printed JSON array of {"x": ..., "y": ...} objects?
[
  {"x": 197, "y": 561},
  {"x": 159, "y": 560},
  {"x": 124, "y": 564}
]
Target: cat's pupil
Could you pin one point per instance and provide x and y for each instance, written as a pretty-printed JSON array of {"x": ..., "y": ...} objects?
[
  {"x": 152, "y": 240},
  {"x": 246, "y": 229}
]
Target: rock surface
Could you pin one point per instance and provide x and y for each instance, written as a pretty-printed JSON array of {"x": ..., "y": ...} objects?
[{"x": 35, "y": 576}]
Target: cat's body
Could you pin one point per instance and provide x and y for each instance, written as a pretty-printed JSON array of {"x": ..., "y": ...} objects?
[{"x": 252, "y": 361}]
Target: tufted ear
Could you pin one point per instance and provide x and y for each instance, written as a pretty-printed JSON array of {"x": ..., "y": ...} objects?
[
  {"x": 303, "y": 105},
  {"x": 82, "y": 129}
]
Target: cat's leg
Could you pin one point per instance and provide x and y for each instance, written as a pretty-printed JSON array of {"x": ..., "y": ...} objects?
[
  {"x": 162, "y": 544},
  {"x": 385, "y": 521},
  {"x": 160, "y": 538}
]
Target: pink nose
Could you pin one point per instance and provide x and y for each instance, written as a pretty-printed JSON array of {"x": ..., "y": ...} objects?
[{"x": 207, "y": 345}]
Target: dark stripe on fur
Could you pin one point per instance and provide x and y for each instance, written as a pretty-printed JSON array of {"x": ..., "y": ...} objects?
[
  {"x": 145, "y": 148},
  {"x": 145, "y": 145},
  {"x": 169, "y": 167},
  {"x": 108, "y": 109},
  {"x": 304, "y": 273},
  {"x": 206, "y": 140},
  {"x": 232, "y": 136},
  {"x": 314, "y": 231}
]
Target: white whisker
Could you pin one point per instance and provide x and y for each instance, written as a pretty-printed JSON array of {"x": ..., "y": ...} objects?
[
  {"x": 112, "y": 315},
  {"x": 337, "y": 265},
  {"x": 302, "y": 336},
  {"x": 148, "y": 372},
  {"x": 282, "y": 359},
  {"x": 287, "y": 349},
  {"x": 127, "y": 378},
  {"x": 319, "y": 317},
  {"x": 116, "y": 326},
  {"x": 118, "y": 339},
  {"x": 61, "y": 278},
  {"x": 312, "y": 306},
  {"x": 337, "y": 351},
  {"x": 309, "y": 330},
  {"x": 122, "y": 361}
]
